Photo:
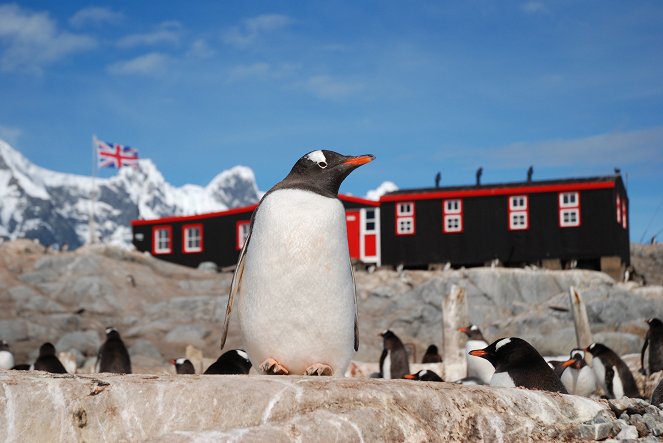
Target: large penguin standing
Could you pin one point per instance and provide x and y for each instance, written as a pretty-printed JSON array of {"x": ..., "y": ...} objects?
[
  {"x": 394, "y": 360},
  {"x": 113, "y": 355},
  {"x": 612, "y": 374},
  {"x": 293, "y": 282},
  {"x": 653, "y": 340},
  {"x": 477, "y": 368}
]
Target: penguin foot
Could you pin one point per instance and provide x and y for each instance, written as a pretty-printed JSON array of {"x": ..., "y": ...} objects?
[
  {"x": 319, "y": 369},
  {"x": 272, "y": 367}
]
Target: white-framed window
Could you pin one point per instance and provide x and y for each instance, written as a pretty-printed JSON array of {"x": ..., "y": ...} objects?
[
  {"x": 369, "y": 221},
  {"x": 192, "y": 238},
  {"x": 405, "y": 218},
  {"x": 452, "y": 216},
  {"x": 569, "y": 209},
  {"x": 518, "y": 213},
  {"x": 162, "y": 240},
  {"x": 624, "y": 215},
  {"x": 243, "y": 230},
  {"x": 619, "y": 209}
]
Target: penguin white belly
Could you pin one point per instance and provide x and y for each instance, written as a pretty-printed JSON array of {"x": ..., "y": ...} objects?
[
  {"x": 599, "y": 371},
  {"x": 476, "y": 366},
  {"x": 6, "y": 360},
  {"x": 386, "y": 366},
  {"x": 502, "y": 379},
  {"x": 296, "y": 300},
  {"x": 579, "y": 382},
  {"x": 617, "y": 386}
]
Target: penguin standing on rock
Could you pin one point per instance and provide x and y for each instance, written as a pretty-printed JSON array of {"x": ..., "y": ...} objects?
[
  {"x": 612, "y": 374},
  {"x": 113, "y": 355},
  {"x": 393, "y": 361},
  {"x": 294, "y": 282},
  {"x": 432, "y": 355},
  {"x": 477, "y": 368},
  {"x": 424, "y": 375},
  {"x": 48, "y": 361},
  {"x": 183, "y": 366},
  {"x": 6, "y": 356},
  {"x": 518, "y": 364},
  {"x": 653, "y": 339},
  {"x": 235, "y": 361},
  {"x": 578, "y": 377}
]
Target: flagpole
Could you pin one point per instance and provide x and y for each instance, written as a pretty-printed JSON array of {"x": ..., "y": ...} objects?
[{"x": 93, "y": 198}]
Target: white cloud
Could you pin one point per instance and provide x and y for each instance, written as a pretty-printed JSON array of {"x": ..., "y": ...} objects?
[
  {"x": 10, "y": 135},
  {"x": 32, "y": 40},
  {"x": 251, "y": 29},
  {"x": 147, "y": 64},
  {"x": 95, "y": 15},
  {"x": 534, "y": 7},
  {"x": 200, "y": 49},
  {"x": 326, "y": 87},
  {"x": 167, "y": 32},
  {"x": 261, "y": 70},
  {"x": 375, "y": 194}
]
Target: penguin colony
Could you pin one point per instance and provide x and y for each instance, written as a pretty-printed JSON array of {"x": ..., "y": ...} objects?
[{"x": 294, "y": 290}]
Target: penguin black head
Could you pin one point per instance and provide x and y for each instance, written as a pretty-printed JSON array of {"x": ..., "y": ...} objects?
[
  {"x": 390, "y": 340},
  {"x": 4, "y": 346},
  {"x": 597, "y": 349},
  {"x": 183, "y": 366},
  {"x": 655, "y": 323},
  {"x": 322, "y": 171},
  {"x": 47, "y": 350},
  {"x": 576, "y": 359},
  {"x": 507, "y": 352},
  {"x": 112, "y": 333},
  {"x": 473, "y": 332},
  {"x": 424, "y": 375},
  {"x": 432, "y": 355}
]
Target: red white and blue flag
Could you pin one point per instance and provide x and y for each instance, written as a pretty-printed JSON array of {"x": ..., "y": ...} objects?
[{"x": 112, "y": 155}]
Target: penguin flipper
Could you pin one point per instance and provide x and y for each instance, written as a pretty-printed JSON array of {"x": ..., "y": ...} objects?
[
  {"x": 354, "y": 287},
  {"x": 234, "y": 287},
  {"x": 609, "y": 376}
]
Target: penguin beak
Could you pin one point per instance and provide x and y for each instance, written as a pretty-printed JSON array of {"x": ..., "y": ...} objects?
[
  {"x": 568, "y": 363},
  {"x": 465, "y": 330},
  {"x": 479, "y": 353},
  {"x": 409, "y": 377},
  {"x": 359, "y": 160},
  {"x": 173, "y": 361}
]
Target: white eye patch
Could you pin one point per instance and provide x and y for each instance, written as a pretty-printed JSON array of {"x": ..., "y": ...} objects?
[
  {"x": 317, "y": 157},
  {"x": 243, "y": 354},
  {"x": 180, "y": 360},
  {"x": 503, "y": 342}
]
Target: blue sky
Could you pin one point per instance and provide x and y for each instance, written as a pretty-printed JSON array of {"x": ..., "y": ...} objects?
[{"x": 574, "y": 88}]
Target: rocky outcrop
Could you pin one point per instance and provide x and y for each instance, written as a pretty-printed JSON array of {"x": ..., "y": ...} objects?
[{"x": 43, "y": 407}]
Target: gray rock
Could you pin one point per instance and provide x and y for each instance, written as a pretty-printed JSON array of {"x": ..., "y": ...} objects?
[
  {"x": 14, "y": 330},
  {"x": 187, "y": 334},
  {"x": 598, "y": 431},
  {"x": 86, "y": 342},
  {"x": 655, "y": 424},
  {"x": 144, "y": 348},
  {"x": 620, "y": 342},
  {"x": 627, "y": 433},
  {"x": 30, "y": 301},
  {"x": 208, "y": 266}
]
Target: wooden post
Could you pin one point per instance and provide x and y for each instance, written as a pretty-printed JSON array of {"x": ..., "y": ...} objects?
[
  {"x": 583, "y": 331},
  {"x": 454, "y": 316}
]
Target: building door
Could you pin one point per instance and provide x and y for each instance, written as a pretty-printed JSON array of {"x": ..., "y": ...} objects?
[
  {"x": 352, "y": 220},
  {"x": 370, "y": 235}
]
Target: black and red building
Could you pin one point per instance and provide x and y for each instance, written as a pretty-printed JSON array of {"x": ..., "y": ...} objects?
[{"x": 555, "y": 223}]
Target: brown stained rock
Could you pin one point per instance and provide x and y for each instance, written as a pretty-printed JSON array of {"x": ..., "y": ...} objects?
[{"x": 37, "y": 406}]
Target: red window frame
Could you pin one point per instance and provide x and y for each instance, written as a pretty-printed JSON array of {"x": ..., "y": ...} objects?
[
  {"x": 619, "y": 209},
  {"x": 568, "y": 207},
  {"x": 624, "y": 215},
  {"x": 239, "y": 240},
  {"x": 403, "y": 216},
  {"x": 449, "y": 213},
  {"x": 185, "y": 248},
  {"x": 155, "y": 237},
  {"x": 515, "y": 211}
]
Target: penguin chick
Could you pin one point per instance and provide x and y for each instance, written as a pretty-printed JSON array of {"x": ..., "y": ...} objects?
[
  {"x": 424, "y": 375},
  {"x": 653, "y": 339},
  {"x": 612, "y": 374},
  {"x": 48, "y": 361},
  {"x": 432, "y": 355},
  {"x": 477, "y": 367},
  {"x": 235, "y": 361},
  {"x": 577, "y": 376},
  {"x": 113, "y": 355},
  {"x": 294, "y": 281},
  {"x": 393, "y": 361},
  {"x": 183, "y": 366},
  {"x": 518, "y": 364},
  {"x": 6, "y": 356}
]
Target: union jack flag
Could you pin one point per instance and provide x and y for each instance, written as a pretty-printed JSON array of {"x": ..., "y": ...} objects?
[{"x": 112, "y": 155}]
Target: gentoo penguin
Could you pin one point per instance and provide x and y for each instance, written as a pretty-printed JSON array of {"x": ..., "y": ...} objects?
[
  {"x": 294, "y": 282},
  {"x": 424, "y": 375},
  {"x": 478, "y": 368},
  {"x": 611, "y": 372},
  {"x": 653, "y": 339},
  {"x": 183, "y": 366},
  {"x": 393, "y": 361},
  {"x": 113, "y": 355},
  {"x": 6, "y": 356},
  {"x": 657, "y": 395},
  {"x": 235, "y": 361},
  {"x": 518, "y": 364},
  {"x": 47, "y": 361},
  {"x": 577, "y": 376},
  {"x": 432, "y": 355}
]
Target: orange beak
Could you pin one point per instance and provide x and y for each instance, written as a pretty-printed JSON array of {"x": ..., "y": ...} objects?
[
  {"x": 568, "y": 363},
  {"x": 465, "y": 330},
  {"x": 478, "y": 353},
  {"x": 360, "y": 160},
  {"x": 173, "y": 361},
  {"x": 409, "y": 376}
]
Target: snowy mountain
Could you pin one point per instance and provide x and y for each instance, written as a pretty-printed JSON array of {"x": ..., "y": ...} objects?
[{"x": 55, "y": 208}]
